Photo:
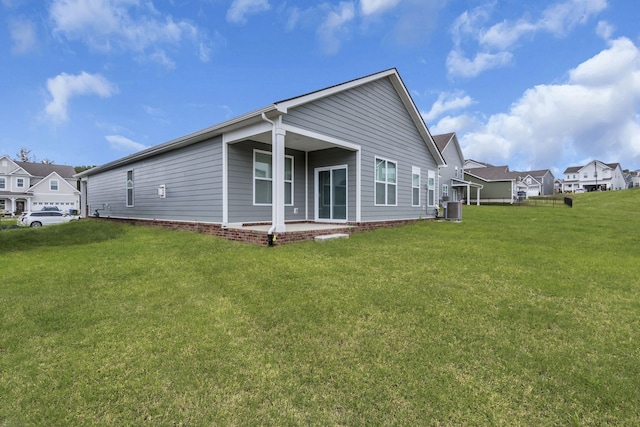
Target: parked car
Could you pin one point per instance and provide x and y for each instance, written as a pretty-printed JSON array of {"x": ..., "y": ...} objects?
[{"x": 40, "y": 218}]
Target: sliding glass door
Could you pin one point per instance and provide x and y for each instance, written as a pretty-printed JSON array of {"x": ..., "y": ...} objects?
[{"x": 331, "y": 194}]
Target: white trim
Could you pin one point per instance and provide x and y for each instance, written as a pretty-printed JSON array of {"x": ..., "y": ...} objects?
[
  {"x": 432, "y": 174},
  {"x": 386, "y": 181},
  {"x": 292, "y": 180},
  {"x": 225, "y": 183},
  {"x": 133, "y": 186},
  {"x": 358, "y": 186},
  {"x": 316, "y": 193},
  {"x": 415, "y": 170}
]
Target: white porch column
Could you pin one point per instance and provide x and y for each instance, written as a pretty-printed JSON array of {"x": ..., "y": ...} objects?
[
  {"x": 477, "y": 196},
  {"x": 277, "y": 189}
]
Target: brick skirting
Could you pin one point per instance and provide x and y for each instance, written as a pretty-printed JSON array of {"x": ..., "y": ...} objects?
[{"x": 260, "y": 237}]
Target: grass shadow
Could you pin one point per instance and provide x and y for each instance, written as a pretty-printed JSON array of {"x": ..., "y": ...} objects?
[{"x": 81, "y": 232}]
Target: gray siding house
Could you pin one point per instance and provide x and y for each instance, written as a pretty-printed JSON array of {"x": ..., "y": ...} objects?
[
  {"x": 26, "y": 186},
  {"x": 451, "y": 175},
  {"x": 352, "y": 153}
]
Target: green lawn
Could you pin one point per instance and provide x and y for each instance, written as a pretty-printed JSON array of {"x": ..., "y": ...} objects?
[{"x": 515, "y": 316}]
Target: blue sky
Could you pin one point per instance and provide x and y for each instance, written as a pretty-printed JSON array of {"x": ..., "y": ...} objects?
[{"x": 529, "y": 84}]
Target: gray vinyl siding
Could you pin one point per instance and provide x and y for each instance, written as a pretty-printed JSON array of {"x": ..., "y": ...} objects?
[
  {"x": 373, "y": 117},
  {"x": 333, "y": 157},
  {"x": 452, "y": 158},
  {"x": 192, "y": 176},
  {"x": 240, "y": 173}
]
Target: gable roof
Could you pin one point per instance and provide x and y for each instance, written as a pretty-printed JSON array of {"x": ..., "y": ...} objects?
[
  {"x": 442, "y": 140},
  {"x": 492, "y": 173},
  {"x": 41, "y": 170},
  {"x": 61, "y": 182},
  {"x": 277, "y": 109},
  {"x": 576, "y": 169}
]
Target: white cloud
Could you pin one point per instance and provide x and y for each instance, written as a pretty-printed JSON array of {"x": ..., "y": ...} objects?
[
  {"x": 23, "y": 34},
  {"x": 369, "y": 7},
  {"x": 605, "y": 30},
  {"x": 239, "y": 9},
  {"x": 111, "y": 25},
  {"x": 447, "y": 102},
  {"x": 121, "y": 143},
  {"x": 334, "y": 29},
  {"x": 458, "y": 124},
  {"x": 594, "y": 114},
  {"x": 459, "y": 65},
  {"x": 496, "y": 41},
  {"x": 65, "y": 86}
]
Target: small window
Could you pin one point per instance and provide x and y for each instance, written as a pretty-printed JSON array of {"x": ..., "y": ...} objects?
[
  {"x": 445, "y": 190},
  {"x": 415, "y": 186},
  {"x": 455, "y": 172},
  {"x": 20, "y": 182},
  {"x": 385, "y": 182},
  {"x": 431, "y": 188},
  {"x": 130, "y": 188},
  {"x": 263, "y": 178},
  {"x": 3, "y": 183},
  {"x": 53, "y": 185}
]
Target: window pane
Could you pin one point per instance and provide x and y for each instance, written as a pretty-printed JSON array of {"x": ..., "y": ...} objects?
[
  {"x": 391, "y": 172},
  {"x": 263, "y": 191},
  {"x": 288, "y": 168},
  {"x": 391, "y": 194},
  {"x": 288, "y": 196},
  {"x": 380, "y": 193},
  {"x": 416, "y": 180},
  {"x": 380, "y": 170},
  {"x": 263, "y": 165},
  {"x": 416, "y": 196}
]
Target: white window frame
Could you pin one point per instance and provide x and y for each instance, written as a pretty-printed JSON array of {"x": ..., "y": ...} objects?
[
  {"x": 431, "y": 188},
  {"x": 129, "y": 190},
  {"x": 19, "y": 182},
  {"x": 415, "y": 174},
  {"x": 445, "y": 190},
  {"x": 3, "y": 183},
  {"x": 290, "y": 181},
  {"x": 53, "y": 187},
  {"x": 385, "y": 182}
]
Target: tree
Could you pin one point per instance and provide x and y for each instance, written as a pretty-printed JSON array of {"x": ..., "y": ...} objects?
[{"x": 24, "y": 155}]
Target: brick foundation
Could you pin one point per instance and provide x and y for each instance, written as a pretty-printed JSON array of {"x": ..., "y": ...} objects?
[{"x": 260, "y": 237}]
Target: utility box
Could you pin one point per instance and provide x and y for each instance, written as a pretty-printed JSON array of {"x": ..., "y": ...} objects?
[{"x": 453, "y": 211}]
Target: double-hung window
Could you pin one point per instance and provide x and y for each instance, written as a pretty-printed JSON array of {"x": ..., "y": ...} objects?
[
  {"x": 53, "y": 185},
  {"x": 130, "y": 188},
  {"x": 20, "y": 182},
  {"x": 431, "y": 188},
  {"x": 415, "y": 186},
  {"x": 263, "y": 178},
  {"x": 445, "y": 190},
  {"x": 386, "y": 187},
  {"x": 3, "y": 183}
]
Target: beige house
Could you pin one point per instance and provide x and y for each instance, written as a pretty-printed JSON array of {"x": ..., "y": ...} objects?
[{"x": 26, "y": 186}]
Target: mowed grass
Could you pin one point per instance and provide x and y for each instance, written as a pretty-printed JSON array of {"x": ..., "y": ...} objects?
[{"x": 515, "y": 316}]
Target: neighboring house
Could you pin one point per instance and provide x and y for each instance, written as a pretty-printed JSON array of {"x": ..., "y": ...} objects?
[
  {"x": 635, "y": 179},
  {"x": 28, "y": 186},
  {"x": 593, "y": 176},
  {"x": 451, "y": 176},
  {"x": 557, "y": 185},
  {"x": 536, "y": 183},
  {"x": 358, "y": 152},
  {"x": 498, "y": 183}
]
